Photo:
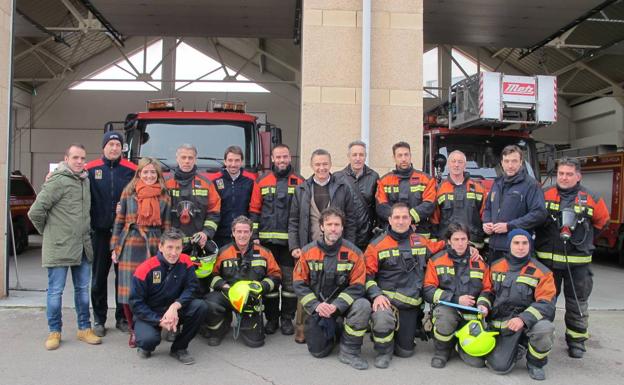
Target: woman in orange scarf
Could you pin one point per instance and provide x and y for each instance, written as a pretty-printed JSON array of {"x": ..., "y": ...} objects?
[{"x": 142, "y": 215}]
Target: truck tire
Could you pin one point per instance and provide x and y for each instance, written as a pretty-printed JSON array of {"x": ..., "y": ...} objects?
[{"x": 20, "y": 230}]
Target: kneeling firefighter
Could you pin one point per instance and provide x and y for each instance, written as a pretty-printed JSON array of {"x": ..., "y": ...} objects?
[
  {"x": 521, "y": 306},
  {"x": 451, "y": 276},
  {"x": 329, "y": 281},
  {"x": 240, "y": 261}
]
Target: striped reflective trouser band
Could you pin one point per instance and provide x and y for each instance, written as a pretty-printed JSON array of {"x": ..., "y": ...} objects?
[
  {"x": 273, "y": 294},
  {"x": 288, "y": 294},
  {"x": 380, "y": 339},
  {"x": 210, "y": 224},
  {"x": 402, "y": 298},
  {"x": 269, "y": 282},
  {"x": 562, "y": 258},
  {"x": 307, "y": 298},
  {"x": 215, "y": 327},
  {"x": 215, "y": 281},
  {"x": 415, "y": 215},
  {"x": 577, "y": 335},
  {"x": 273, "y": 235},
  {"x": 536, "y": 354},
  {"x": 352, "y": 332},
  {"x": 441, "y": 337}
]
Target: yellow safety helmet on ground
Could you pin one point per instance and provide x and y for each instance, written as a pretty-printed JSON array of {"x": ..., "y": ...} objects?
[
  {"x": 240, "y": 294},
  {"x": 474, "y": 340}
]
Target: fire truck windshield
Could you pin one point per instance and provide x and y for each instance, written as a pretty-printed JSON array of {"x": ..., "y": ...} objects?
[
  {"x": 483, "y": 153},
  {"x": 160, "y": 139}
]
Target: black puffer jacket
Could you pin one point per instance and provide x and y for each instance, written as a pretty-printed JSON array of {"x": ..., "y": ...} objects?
[
  {"x": 367, "y": 186},
  {"x": 341, "y": 196}
]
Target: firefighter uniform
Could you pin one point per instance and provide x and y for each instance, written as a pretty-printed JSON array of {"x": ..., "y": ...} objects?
[
  {"x": 591, "y": 214},
  {"x": 256, "y": 264},
  {"x": 269, "y": 209},
  {"x": 333, "y": 274},
  {"x": 448, "y": 277},
  {"x": 195, "y": 206},
  {"x": 524, "y": 288},
  {"x": 413, "y": 187},
  {"x": 461, "y": 203},
  {"x": 395, "y": 267}
]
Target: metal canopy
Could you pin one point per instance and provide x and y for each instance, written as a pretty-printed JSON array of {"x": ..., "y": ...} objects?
[
  {"x": 498, "y": 23},
  {"x": 206, "y": 18}
]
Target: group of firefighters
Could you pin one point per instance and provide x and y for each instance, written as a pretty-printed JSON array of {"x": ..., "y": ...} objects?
[{"x": 336, "y": 255}]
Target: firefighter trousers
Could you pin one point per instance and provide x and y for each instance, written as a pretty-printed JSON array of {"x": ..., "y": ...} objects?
[
  {"x": 286, "y": 296},
  {"x": 322, "y": 333},
  {"x": 249, "y": 326},
  {"x": 395, "y": 329},
  {"x": 538, "y": 341},
  {"x": 446, "y": 321},
  {"x": 576, "y": 321}
]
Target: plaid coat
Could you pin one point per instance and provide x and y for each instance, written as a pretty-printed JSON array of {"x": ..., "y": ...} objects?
[{"x": 134, "y": 243}]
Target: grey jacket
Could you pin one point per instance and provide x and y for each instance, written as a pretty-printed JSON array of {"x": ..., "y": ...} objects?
[{"x": 61, "y": 214}]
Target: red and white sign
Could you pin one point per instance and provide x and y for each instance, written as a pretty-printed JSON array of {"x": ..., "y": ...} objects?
[{"x": 524, "y": 89}]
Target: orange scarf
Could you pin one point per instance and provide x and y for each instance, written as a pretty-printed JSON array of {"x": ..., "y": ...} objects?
[{"x": 148, "y": 213}]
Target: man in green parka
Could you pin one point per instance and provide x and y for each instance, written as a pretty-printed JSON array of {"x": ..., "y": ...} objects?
[{"x": 61, "y": 215}]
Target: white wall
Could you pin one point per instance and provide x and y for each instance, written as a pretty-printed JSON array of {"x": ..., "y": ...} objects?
[
  {"x": 599, "y": 122},
  {"x": 79, "y": 115}
]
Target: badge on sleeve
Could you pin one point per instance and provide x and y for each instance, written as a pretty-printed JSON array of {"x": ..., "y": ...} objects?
[
  {"x": 98, "y": 174},
  {"x": 156, "y": 278}
]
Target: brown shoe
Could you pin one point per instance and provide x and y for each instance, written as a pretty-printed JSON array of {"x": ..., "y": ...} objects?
[
  {"x": 87, "y": 335},
  {"x": 299, "y": 335},
  {"x": 53, "y": 341}
]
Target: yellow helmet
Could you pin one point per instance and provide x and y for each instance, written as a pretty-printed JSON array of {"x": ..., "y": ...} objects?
[
  {"x": 203, "y": 261},
  {"x": 241, "y": 293},
  {"x": 474, "y": 340}
]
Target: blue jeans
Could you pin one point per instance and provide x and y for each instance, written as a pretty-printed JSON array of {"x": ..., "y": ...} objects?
[{"x": 57, "y": 276}]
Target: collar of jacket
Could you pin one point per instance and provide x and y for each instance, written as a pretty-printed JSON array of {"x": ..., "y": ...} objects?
[
  {"x": 164, "y": 262},
  {"x": 63, "y": 169},
  {"x": 456, "y": 257},
  {"x": 349, "y": 171},
  {"x": 466, "y": 179},
  {"x": 283, "y": 173},
  {"x": 404, "y": 173},
  {"x": 226, "y": 175},
  {"x": 330, "y": 250},
  {"x": 248, "y": 253},
  {"x": 399, "y": 236},
  {"x": 518, "y": 178},
  {"x": 569, "y": 193},
  {"x": 515, "y": 263},
  {"x": 111, "y": 162}
]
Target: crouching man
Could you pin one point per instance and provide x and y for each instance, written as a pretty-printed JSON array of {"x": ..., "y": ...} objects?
[
  {"x": 329, "y": 281},
  {"x": 161, "y": 297}
]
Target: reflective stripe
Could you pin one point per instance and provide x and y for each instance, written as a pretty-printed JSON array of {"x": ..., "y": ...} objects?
[
  {"x": 258, "y": 262},
  {"x": 315, "y": 266},
  {"x": 200, "y": 192},
  {"x": 271, "y": 284},
  {"x": 307, "y": 298},
  {"x": 437, "y": 294},
  {"x": 291, "y": 190},
  {"x": 419, "y": 251},
  {"x": 273, "y": 235},
  {"x": 370, "y": 284},
  {"x": 574, "y": 334},
  {"x": 356, "y": 333},
  {"x": 420, "y": 187},
  {"x": 383, "y": 254},
  {"x": 346, "y": 297},
  {"x": 441, "y": 337},
  {"x": 288, "y": 294},
  {"x": 414, "y": 215},
  {"x": 215, "y": 327},
  {"x": 534, "y": 312},
  {"x": 476, "y": 274},
  {"x": 445, "y": 270},
  {"x": 255, "y": 225},
  {"x": 391, "y": 189},
  {"x": 215, "y": 280},
  {"x": 402, "y": 298},
  {"x": 344, "y": 266},
  {"x": 498, "y": 277},
  {"x": 384, "y": 340},
  {"x": 211, "y": 224},
  {"x": 483, "y": 299},
  {"x": 273, "y": 294},
  {"x": 469, "y": 316},
  {"x": 498, "y": 324},
  {"x": 267, "y": 190},
  {"x": 537, "y": 354},
  {"x": 562, "y": 258},
  {"x": 528, "y": 280}
]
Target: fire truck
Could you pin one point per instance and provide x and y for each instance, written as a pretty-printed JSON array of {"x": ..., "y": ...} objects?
[
  {"x": 483, "y": 114},
  {"x": 158, "y": 132}
]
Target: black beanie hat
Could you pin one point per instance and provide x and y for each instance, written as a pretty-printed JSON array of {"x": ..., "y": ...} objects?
[{"x": 112, "y": 135}]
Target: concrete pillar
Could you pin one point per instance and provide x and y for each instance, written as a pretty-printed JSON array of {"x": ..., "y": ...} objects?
[
  {"x": 6, "y": 32},
  {"x": 331, "y": 79}
]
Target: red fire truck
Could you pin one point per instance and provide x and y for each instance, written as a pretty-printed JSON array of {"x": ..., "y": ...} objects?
[{"x": 163, "y": 127}]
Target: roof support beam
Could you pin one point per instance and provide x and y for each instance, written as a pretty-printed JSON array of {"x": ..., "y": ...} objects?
[{"x": 47, "y": 53}]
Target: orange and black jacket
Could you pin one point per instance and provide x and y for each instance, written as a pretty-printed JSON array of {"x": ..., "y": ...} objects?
[
  {"x": 413, "y": 187},
  {"x": 460, "y": 203},
  {"x": 333, "y": 274},
  {"x": 592, "y": 215},
  {"x": 270, "y": 205},
  {"x": 256, "y": 264},
  {"x": 204, "y": 208},
  {"x": 395, "y": 267},
  {"x": 522, "y": 288},
  {"x": 449, "y": 276}
]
